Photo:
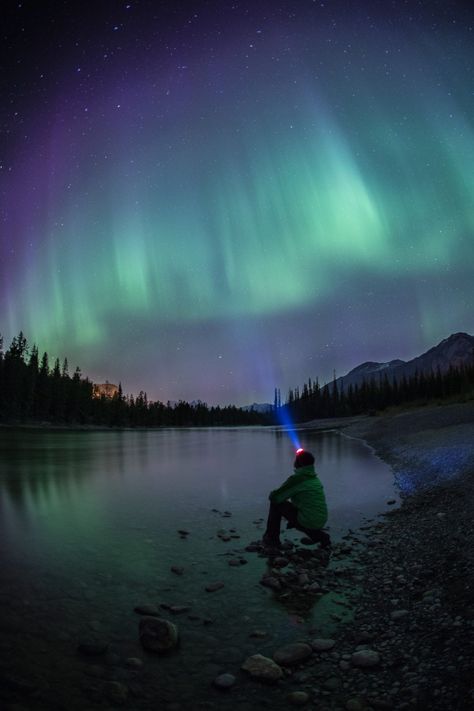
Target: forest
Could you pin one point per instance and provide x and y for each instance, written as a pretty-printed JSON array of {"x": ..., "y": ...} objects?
[
  {"x": 34, "y": 391},
  {"x": 376, "y": 394}
]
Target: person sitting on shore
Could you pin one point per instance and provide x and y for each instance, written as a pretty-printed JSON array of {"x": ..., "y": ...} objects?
[{"x": 307, "y": 510}]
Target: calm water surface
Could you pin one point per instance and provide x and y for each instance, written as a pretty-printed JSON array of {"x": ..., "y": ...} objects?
[{"x": 88, "y": 530}]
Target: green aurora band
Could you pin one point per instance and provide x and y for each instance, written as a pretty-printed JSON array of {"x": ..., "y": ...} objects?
[{"x": 174, "y": 201}]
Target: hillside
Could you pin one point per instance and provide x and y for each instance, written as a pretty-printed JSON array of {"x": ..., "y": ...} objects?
[{"x": 454, "y": 351}]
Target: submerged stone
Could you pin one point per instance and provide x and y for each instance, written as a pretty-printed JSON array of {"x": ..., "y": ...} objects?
[
  {"x": 149, "y": 610},
  {"x": 212, "y": 587},
  {"x": 271, "y": 582},
  {"x": 157, "y": 634}
]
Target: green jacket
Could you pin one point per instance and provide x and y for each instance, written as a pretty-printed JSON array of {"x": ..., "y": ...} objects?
[{"x": 307, "y": 494}]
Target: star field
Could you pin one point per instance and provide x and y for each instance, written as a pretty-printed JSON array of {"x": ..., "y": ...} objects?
[{"x": 211, "y": 199}]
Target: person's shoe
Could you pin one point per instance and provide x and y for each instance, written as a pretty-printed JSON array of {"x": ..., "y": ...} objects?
[
  {"x": 325, "y": 540},
  {"x": 316, "y": 536},
  {"x": 272, "y": 546},
  {"x": 270, "y": 541}
]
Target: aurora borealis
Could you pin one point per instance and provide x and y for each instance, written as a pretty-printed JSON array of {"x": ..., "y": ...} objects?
[{"x": 208, "y": 200}]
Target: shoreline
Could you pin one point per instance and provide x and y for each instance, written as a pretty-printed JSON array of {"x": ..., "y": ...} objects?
[{"x": 415, "y": 608}]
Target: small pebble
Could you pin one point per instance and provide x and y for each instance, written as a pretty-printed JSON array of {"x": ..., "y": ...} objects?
[
  {"x": 298, "y": 698},
  {"x": 224, "y": 681}
]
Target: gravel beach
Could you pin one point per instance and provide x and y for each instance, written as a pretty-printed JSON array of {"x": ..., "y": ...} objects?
[{"x": 416, "y": 609}]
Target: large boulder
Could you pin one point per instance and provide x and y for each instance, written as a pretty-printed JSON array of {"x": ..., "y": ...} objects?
[{"x": 158, "y": 635}]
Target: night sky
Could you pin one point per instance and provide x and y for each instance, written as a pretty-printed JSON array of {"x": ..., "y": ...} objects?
[{"x": 207, "y": 200}]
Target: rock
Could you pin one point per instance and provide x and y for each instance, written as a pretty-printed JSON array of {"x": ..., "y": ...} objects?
[
  {"x": 237, "y": 562},
  {"x": 92, "y": 647},
  {"x": 19, "y": 684},
  {"x": 112, "y": 659},
  {"x": 134, "y": 662},
  {"x": 253, "y": 548},
  {"x": 271, "y": 582},
  {"x": 258, "y": 634},
  {"x": 177, "y": 569},
  {"x": 157, "y": 634},
  {"x": 262, "y": 668},
  {"x": 298, "y": 698},
  {"x": 224, "y": 681},
  {"x": 314, "y": 588},
  {"x": 322, "y": 645},
  {"x": 280, "y": 562},
  {"x": 355, "y": 704},
  {"x": 332, "y": 684},
  {"x": 179, "y": 609},
  {"x": 116, "y": 693},
  {"x": 182, "y": 532},
  {"x": 149, "y": 610},
  {"x": 381, "y": 704},
  {"x": 303, "y": 579},
  {"x": 365, "y": 658},
  {"x": 398, "y": 614},
  {"x": 212, "y": 587},
  {"x": 390, "y": 502},
  {"x": 95, "y": 670},
  {"x": 292, "y": 653}
]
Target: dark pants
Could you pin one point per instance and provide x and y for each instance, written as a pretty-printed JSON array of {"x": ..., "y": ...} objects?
[{"x": 290, "y": 512}]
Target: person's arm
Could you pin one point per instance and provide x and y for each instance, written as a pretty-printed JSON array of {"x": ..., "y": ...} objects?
[{"x": 285, "y": 491}]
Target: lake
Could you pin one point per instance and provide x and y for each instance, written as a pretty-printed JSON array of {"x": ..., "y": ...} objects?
[{"x": 89, "y": 529}]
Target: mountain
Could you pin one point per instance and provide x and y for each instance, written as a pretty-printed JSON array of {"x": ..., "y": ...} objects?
[
  {"x": 455, "y": 350},
  {"x": 261, "y": 407}
]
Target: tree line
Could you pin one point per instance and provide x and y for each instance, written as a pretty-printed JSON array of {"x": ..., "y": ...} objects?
[
  {"x": 376, "y": 394},
  {"x": 32, "y": 390}
]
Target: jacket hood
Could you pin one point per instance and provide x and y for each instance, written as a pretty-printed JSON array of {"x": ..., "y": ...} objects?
[{"x": 306, "y": 471}]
